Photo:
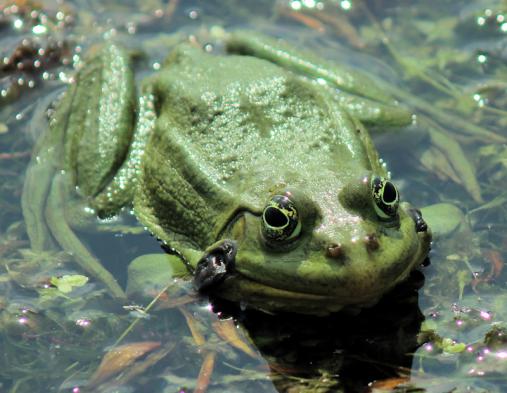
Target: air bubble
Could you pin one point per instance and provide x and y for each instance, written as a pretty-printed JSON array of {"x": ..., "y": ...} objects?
[{"x": 193, "y": 14}]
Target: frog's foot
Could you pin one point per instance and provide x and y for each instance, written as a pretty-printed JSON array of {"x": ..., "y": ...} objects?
[
  {"x": 213, "y": 267},
  {"x": 420, "y": 224}
]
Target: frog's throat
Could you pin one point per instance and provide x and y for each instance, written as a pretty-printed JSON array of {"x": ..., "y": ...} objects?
[
  {"x": 241, "y": 289},
  {"x": 257, "y": 287}
]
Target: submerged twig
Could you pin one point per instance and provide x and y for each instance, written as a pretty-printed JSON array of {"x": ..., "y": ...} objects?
[{"x": 18, "y": 154}]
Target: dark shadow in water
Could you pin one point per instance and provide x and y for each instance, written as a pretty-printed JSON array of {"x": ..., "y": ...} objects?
[{"x": 342, "y": 352}]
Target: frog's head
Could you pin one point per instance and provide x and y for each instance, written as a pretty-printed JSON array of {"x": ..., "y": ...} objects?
[{"x": 315, "y": 252}]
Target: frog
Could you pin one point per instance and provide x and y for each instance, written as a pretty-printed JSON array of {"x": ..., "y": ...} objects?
[{"x": 253, "y": 167}]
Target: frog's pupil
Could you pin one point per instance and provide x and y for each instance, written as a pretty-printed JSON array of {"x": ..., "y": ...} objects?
[
  {"x": 390, "y": 194},
  {"x": 275, "y": 218}
]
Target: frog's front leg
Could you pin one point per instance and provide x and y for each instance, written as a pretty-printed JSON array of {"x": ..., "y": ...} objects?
[
  {"x": 354, "y": 90},
  {"x": 153, "y": 272},
  {"x": 214, "y": 266}
]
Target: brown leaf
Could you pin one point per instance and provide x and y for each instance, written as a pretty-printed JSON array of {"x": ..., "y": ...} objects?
[
  {"x": 228, "y": 331},
  {"x": 388, "y": 384},
  {"x": 497, "y": 262},
  {"x": 119, "y": 358},
  {"x": 205, "y": 373},
  {"x": 166, "y": 302},
  {"x": 342, "y": 27},
  {"x": 496, "y": 266},
  {"x": 194, "y": 327},
  {"x": 150, "y": 360},
  {"x": 308, "y": 21}
]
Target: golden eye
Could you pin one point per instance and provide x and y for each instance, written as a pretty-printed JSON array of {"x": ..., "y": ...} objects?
[
  {"x": 386, "y": 198},
  {"x": 280, "y": 219}
]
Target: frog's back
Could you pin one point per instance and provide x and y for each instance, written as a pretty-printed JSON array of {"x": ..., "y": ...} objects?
[{"x": 230, "y": 128}]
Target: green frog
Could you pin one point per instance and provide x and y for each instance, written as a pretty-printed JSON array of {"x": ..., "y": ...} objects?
[{"x": 253, "y": 167}]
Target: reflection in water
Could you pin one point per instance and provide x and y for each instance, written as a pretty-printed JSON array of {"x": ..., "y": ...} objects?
[{"x": 342, "y": 351}]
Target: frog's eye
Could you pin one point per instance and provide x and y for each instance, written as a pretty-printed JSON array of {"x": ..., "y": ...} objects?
[
  {"x": 280, "y": 219},
  {"x": 385, "y": 197}
]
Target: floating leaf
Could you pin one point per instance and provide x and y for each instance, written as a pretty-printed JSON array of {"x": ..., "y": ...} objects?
[
  {"x": 150, "y": 273},
  {"x": 67, "y": 283},
  {"x": 443, "y": 219},
  {"x": 451, "y": 346}
]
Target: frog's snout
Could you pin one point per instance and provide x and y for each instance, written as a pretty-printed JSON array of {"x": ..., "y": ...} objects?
[{"x": 337, "y": 251}]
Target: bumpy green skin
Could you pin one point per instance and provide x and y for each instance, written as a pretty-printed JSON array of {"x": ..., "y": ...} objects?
[
  {"x": 218, "y": 136},
  {"x": 233, "y": 131}
]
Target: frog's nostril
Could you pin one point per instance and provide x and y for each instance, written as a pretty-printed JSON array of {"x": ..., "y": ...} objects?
[
  {"x": 371, "y": 242},
  {"x": 335, "y": 250}
]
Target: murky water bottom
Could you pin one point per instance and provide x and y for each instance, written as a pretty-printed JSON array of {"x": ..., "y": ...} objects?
[{"x": 447, "y": 61}]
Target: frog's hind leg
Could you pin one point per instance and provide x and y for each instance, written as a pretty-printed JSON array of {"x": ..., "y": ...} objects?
[
  {"x": 35, "y": 191},
  {"x": 107, "y": 202},
  {"x": 66, "y": 238},
  {"x": 46, "y": 159},
  {"x": 87, "y": 141},
  {"x": 357, "y": 92}
]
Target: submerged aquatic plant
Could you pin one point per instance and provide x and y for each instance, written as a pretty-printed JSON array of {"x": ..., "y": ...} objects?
[{"x": 451, "y": 58}]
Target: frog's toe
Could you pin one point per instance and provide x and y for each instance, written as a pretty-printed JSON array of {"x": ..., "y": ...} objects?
[
  {"x": 420, "y": 224},
  {"x": 215, "y": 264}
]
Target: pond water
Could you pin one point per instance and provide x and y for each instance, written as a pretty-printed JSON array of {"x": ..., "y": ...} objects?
[{"x": 443, "y": 330}]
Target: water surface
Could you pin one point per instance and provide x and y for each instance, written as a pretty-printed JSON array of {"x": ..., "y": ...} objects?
[{"x": 445, "y": 60}]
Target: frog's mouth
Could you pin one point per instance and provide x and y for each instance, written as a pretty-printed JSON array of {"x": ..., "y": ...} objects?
[
  {"x": 218, "y": 263},
  {"x": 216, "y": 270}
]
